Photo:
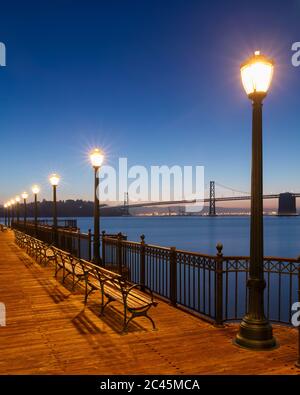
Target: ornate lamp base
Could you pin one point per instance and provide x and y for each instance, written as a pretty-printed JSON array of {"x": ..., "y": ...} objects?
[{"x": 255, "y": 335}]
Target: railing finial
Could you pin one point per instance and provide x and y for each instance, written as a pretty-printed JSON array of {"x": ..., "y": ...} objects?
[
  {"x": 219, "y": 247},
  {"x": 142, "y": 238}
]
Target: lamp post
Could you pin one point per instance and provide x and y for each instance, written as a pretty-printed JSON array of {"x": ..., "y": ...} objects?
[
  {"x": 24, "y": 197},
  {"x": 17, "y": 199},
  {"x": 12, "y": 203},
  {"x": 54, "y": 180},
  {"x": 96, "y": 158},
  {"x": 255, "y": 331},
  {"x": 35, "y": 190},
  {"x": 5, "y": 214},
  {"x": 8, "y": 213}
]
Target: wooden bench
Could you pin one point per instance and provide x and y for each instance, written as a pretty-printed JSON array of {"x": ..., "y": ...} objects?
[
  {"x": 41, "y": 251},
  {"x": 69, "y": 265},
  {"x": 3, "y": 228},
  {"x": 136, "y": 299}
]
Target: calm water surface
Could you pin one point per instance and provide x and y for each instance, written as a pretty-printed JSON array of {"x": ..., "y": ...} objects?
[{"x": 201, "y": 234}]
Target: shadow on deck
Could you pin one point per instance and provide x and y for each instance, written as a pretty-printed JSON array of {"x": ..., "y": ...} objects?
[{"x": 48, "y": 331}]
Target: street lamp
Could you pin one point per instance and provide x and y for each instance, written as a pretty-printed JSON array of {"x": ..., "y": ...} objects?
[
  {"x": 96, "y": 158},
  {"x": 255, "y": 331},
  {"x": 12, "y": 203},
  {"x": 35, "y": 189},
  {"x": 8, "y": 213},
  {"x": 54, "y": 180},
  {"x": 17, "y": 199},
  {"x": 5, "y": 214},
  {"x": 24, "y": 197}
]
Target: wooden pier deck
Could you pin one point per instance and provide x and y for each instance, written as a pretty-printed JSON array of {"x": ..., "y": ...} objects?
[{"x": 49, "y": 332}]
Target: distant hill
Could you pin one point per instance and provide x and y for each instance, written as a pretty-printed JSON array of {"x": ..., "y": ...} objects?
[{"x": 67, "y": 208}]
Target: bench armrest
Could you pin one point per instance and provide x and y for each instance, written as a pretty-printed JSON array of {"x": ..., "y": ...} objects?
[{"x": 142, "y": 288}]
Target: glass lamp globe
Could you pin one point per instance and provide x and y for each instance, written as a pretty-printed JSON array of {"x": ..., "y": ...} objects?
[
  {"x": 96, "y": 157},
  {"x": 35, "y": 189},
  {"x": 54, "y": 179},
  {"x": 24, "y": 195},
  {"x": 257, "y": 73}
]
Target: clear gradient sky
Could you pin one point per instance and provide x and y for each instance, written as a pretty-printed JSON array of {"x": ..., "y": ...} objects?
[{"x": 155, "y": 81}]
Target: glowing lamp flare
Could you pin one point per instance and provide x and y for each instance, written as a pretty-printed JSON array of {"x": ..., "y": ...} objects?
[
  {"x": 96, "y": 157},
  {"x": 17, "y": 199},
  {"x": 257, "y": 73},
  {"x": 54, "y": 179},
  {"x": 35, "y": 189},
  {"x": 24, "y": 195}
]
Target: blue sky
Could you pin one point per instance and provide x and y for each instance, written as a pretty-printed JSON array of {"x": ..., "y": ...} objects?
[{"x": 155, "y": 81}]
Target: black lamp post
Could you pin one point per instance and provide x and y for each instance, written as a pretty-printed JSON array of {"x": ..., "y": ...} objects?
[
  {"x": 12, "y": 202},
  {"x": 35, "y": 190},
  {"x": 5, "y": 214},
  {"x": 255, "y": 330},
  {"x": 24, "y": 197},
  {"x": 8, "y": 213},
  {"x": 96, "y": 157},
  {"x": 54, "y": 180},
  {"x": 18, "y": 208}
]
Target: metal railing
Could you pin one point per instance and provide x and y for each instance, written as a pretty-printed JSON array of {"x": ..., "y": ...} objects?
[
  {"x": 212, "y": 285},
  {"x": 64, "y": 223},
  {"x": 77, "y": 243}
]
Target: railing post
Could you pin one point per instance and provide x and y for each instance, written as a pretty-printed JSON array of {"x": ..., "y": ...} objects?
[
  {"x": 142, "y": 262},
  {"x": 119, "y": 253},
  {"x": 219, "y": 287},
  {"x": 90, "y": 244},
  {"x": 173, "y": 276},
  {"x": 103, "y": 248},
  {"x": 79, "y": 245},
  {"x": 298, "y": 360}
]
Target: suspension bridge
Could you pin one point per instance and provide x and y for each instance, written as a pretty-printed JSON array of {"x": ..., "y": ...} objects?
[{"x": 286, "y": 201}]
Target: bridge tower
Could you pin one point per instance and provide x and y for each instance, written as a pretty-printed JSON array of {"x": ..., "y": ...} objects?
[
  {"x": 126, "y": 204},
  {"x": 287, "y": 204},
  {"x": 212, "y": 198}
]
